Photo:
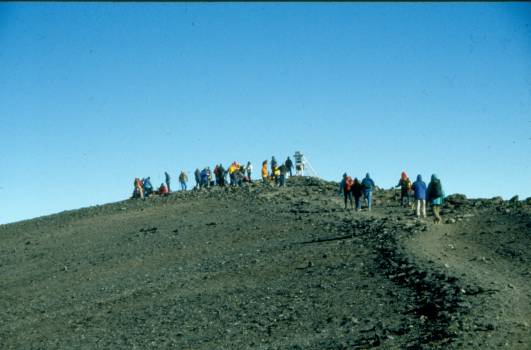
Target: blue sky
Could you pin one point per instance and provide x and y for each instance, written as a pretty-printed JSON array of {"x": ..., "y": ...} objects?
[{"x": 93, "y": 95}]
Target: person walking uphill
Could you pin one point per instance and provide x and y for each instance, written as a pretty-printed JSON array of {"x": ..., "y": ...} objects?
[
  {"x": 167, "y": 181},
  {"x": 435, "y": 195},
  {"x": 345, "y": 187},
  {"x": 357, "y": 190},
  {"x": 405, "y": 187},
  {"x": 419, "y": 190},
  {"x": 367, "y": 184}
]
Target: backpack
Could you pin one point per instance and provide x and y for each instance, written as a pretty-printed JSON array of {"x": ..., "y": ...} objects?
[{"x": 348, "y": 184}]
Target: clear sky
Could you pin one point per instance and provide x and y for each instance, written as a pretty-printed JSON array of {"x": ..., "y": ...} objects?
[{"x": 93, "y": 95}]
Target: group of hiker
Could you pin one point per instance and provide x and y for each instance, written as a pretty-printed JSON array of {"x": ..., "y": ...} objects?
[
  {"x": 237, "y": 174},
  {"x": 354, "y": 188},
  {"x": 433, "y": 193},
  {"x": 144, "y": 189},
  {"x": 279, "y": 172}
]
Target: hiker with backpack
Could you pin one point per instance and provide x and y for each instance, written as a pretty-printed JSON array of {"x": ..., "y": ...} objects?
[
  {"x": 368, "y": 185},
  {"x": 357, "y": 191},
  {"x": 419, "y": 190},
  {"x": 435, "y": 195},
  {"x": 405, "y": 188},
  {"x": 183, "y": 179},
  {"x": 345, "y": 187}
]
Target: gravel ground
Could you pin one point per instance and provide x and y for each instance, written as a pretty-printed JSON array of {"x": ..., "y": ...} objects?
[{"x": 260, "y": 267}]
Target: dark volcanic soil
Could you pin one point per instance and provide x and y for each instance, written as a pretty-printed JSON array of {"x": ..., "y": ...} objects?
[{"x": 267, "y": 268}]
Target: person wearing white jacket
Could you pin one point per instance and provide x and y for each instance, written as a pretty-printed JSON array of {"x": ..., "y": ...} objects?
[{"x": 249, "y": 170}]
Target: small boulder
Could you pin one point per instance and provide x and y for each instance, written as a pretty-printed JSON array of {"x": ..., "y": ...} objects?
[{"x": 456, "y": 199}]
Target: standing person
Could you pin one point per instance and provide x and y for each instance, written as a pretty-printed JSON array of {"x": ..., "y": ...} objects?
[
  {"x": 183, "y": 179},
  {"x": 357, "y": 190},
  {"x": 368, "y": 185},
  {"x": 203, "y": 175},
  {"x": 221, "y": 173},
  {"x": 289, "y": 166},
  {"x": 216, "y": 175},
  {"x": 273, "y": 164},
  {"x": 276, "y": 174},
  {"x": 240, "y": 175},
  {"x": 265, "y": 173},
  {"x": 435, "y": 194},
  {"x": 167, "y": 181},
  {"x": 148, "y": 187},
  {"x": 249, "y": 169},
  {"x": 405, "y": 187},
  {"x": 197, "y": 175},
  {"x": 232, "y": 173},
  {"x": 138, "y": 191},
  {"x": 283, "y": 172},
  {"x": 345, "y": 187},
  {"x": 419, "y": 188}
]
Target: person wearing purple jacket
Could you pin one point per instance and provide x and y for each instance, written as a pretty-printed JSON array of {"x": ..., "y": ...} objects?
[{"x": 419, "y": 187}]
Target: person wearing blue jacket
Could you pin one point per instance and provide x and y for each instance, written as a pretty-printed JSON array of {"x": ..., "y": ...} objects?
[
  {"x": 368, "y": 184},
  {"x": 435, "y": 195},
  {"x": 148, "y": 187},
  {"x": 419, "y": 188},
  {"x": 204, "y": 178}
]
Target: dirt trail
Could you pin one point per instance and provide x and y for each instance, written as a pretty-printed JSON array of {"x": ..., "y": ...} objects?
[{"x": 499, "y": 284}]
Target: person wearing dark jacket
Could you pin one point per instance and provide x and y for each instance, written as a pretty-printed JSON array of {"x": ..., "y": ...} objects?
[
  {"x": 273, "y": 164},
  {"x": 197, "y": 175},
  {"x": 419, "y": 190},
  {"x": 345, "y": 188},
  {"x": 221, "y": 175},
  {"x": 357, "y": 191},
  {"x": 435, "y": 195},
  {"x": 289, "y": 166},
  {"x": 167, "y": 181},
  {"x": 283, "y": 172},
  {"x": 368, "y": 185}
]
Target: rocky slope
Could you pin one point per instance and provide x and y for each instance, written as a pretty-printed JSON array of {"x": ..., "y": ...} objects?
[{"x": 268, "y": 268}]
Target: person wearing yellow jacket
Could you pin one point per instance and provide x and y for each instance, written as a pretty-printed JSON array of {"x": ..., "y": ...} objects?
[
  {"x": 265, "y": 173},
  {"x": 276, "y": 174}
]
